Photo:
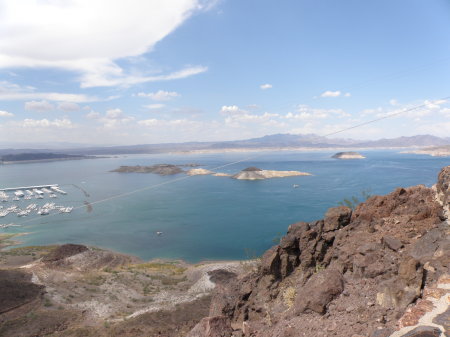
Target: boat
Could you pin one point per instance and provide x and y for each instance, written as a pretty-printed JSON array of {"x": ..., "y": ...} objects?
[
  {"x": 65, "y": 209},
  {"x": 46, "y": 190},
  {"x": 52, "y": 195},
  {"x": 16, "y": 198},
  {"x": 159, "y": 233},
  {"x": 295, "y": 186},
  {"x": 43, "y": 211},
  {"x": 19, "y": 194},
  {"x": 57, "y": 189},
  {"x": 38, "y": 192},
  {"x": 29, "y": 192}
]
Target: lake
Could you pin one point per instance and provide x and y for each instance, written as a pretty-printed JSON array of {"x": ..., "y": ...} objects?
[{"x": 201, "y": 217}]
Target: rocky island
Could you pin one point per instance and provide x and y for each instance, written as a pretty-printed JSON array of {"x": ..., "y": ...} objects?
[
  {"x": 254, "y": 173},
  {"x": 348, "y": 155},
  {"x": 161, "y": 169},
  {"x": 250, "y": 173},
  {"x": 381, "y": 269}
]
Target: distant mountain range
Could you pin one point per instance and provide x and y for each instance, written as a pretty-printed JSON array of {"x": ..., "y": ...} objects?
[{"x": 271, "y": 141}]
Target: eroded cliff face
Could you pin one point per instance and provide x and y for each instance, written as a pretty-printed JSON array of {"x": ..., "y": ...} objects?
[{"x": 354, "y": 273}]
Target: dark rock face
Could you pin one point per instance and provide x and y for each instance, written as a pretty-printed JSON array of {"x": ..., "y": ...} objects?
[
  {"x": 251, "y": 169},
  {"x": 353, "y": 273},
  {"x": 336, "y": 218},
  {"x": 64, "y": 251},
  {"x": 319, "y": 291},
  {"x": 16, "y": 289}
]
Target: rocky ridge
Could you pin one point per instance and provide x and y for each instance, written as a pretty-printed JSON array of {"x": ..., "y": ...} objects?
[{"x": 379, "y": 270}]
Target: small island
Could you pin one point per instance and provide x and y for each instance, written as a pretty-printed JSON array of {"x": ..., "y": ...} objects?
[
  {"x": 161, "y": 169},
  {"x": 254, "y": 173},
  {"x": 348, "y": 155}
]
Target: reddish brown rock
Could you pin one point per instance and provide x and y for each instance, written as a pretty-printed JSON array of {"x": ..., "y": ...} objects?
[
  {"x": 218, "y": 326},
  {"x": 319, "y": 291},
  {"x": 336, "y": 218}
]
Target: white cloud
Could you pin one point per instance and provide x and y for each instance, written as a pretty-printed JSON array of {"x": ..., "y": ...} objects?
[
  {"x": 305, "y": 112},
  {"x": 114, "y": 113},
  {"x": 39, "y": 106},
  {"x": 230, "y": 109},
  {"x": 5, "y": 114},
  {"x": 83, "y": 35},
  {"x": 13, "y": 92},
  {"x": 154, "y": 106},
  {"x": 112, "y": 119},
  {"x": 347, "y": 94},
  {"x": 265, "y": 86},
  {"x": 64, "y": 123},
  {"x": 160, "y": 95},
  {"x": 93, "y": 115},
  {"x": 68, "y": 106},
  {"x": 329, "y": 93}
]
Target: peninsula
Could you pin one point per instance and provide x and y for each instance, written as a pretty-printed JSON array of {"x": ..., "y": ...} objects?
[
  {"x": 434, "y": 151},
  {"x": 348, "y": 155},
  {"x": 39, "y": 157}
]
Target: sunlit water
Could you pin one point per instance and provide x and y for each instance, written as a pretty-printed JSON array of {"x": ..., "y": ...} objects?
[{"x": 202, "y": 217}]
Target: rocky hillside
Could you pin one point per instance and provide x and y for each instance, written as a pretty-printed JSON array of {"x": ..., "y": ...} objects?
[{"x": 379, "y": 270}]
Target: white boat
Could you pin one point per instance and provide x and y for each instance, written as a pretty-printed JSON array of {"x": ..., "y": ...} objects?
[
  {"x": 53, "y": 195},
  {"x": 16, "y": 199},
  {"x": 57, "y": 189},
  {"x": 43, "y": 211},
  {"x": 19, "y": 194},
  {"x": 38, "y": 192},
  {"x": 27, "y": 197},
  {"x": 23, "y": 213},
  {"x": 65, "y": 209},
  {"x": 29, "y": 192},
  {"x": 46, "y": 190}
]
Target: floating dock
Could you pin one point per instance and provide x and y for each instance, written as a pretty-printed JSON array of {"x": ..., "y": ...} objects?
[{"x": 27, "y": 187}]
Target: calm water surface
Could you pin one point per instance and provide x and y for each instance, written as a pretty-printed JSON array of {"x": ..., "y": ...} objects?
[{"x": 202, "y": 217}]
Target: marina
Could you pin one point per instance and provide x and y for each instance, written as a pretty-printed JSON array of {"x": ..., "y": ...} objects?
[{"x": 21, "y": 194}]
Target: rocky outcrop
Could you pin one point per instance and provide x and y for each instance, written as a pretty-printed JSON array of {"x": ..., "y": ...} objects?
[
  {"x": 354, "y": 273},
  {"x": 254, "y": 173},
  {"x": 348, "y": 155}
]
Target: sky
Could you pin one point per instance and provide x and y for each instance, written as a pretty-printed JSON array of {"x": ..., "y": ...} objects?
[{"x": 110, "y": 72}]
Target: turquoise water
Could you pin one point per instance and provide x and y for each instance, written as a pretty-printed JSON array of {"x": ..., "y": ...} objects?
[{"x": 203, "y": 217}]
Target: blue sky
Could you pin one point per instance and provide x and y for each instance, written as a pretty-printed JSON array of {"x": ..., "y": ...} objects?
[{"x": 115, "y": 72}]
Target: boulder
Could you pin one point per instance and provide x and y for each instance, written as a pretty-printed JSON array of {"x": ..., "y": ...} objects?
[
  {"x": 336, "y": 218},
  {"x": 400, "y": 291},
  {"x": 392, "y": 243},
  {"x": 424, "y": 331},
  {"x": 319, "y": 291}
]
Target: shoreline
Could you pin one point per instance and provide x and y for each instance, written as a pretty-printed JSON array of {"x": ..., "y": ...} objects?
[
  {"x": 49, "y": 160},
  {"x": 294, "y": 149}
]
